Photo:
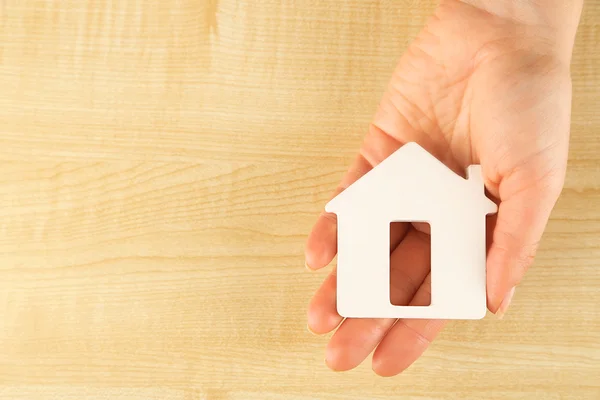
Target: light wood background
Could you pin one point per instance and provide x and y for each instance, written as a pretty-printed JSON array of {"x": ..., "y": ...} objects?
[{"x": 161, "y": 164}]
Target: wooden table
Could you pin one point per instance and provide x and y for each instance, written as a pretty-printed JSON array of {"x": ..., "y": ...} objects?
[{"x": 162, "y": 162}]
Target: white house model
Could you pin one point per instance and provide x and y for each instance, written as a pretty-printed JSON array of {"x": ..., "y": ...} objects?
[{"x": 412, "y": 185}]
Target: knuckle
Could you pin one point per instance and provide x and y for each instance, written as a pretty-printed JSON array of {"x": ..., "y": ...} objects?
[{"x": 525, "y": 256}]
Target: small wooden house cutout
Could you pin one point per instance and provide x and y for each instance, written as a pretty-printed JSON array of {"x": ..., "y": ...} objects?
[{"x": 412, "y": 185}]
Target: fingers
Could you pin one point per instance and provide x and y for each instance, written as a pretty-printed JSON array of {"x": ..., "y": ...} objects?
[
  {"x": 322, "y": 310},
  {"x": 321, "y": 245},
  {"x": 407, "y": 339},
  {"x": 355, "y": 339},
  {"x": 322, "y": 313},
  {"x": 520, "y": 223}
]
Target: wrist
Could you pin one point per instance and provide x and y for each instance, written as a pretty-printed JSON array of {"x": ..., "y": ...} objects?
[{"x": 554, "y": 21}]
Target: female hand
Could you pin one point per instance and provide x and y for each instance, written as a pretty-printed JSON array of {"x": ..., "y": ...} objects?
[{"x": 484, "y": 83}]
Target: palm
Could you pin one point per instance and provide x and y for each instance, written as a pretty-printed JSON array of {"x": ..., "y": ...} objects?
[{"x": 467, "y": 98}]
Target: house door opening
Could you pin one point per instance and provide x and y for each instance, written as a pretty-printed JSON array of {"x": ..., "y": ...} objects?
[{"x": 410, "y": 263}]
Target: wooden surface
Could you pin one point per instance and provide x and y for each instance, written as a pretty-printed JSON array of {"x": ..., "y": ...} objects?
[{"x": 162, "y": 162}]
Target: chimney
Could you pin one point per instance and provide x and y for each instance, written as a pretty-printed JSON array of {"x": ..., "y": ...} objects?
[{"x": 475, "y": 175}]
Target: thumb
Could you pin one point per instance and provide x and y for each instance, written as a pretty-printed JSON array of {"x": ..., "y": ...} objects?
[{"x": 521, "y": 220}]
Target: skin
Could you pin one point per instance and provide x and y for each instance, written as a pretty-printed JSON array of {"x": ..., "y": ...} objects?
[{"x": 485, "y": 82}]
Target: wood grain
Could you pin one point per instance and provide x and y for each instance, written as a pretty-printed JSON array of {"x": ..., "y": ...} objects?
[{"x": 162, "y": 163}]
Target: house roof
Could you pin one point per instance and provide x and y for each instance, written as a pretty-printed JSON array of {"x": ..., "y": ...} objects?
[{"x": 413, "y": 165}]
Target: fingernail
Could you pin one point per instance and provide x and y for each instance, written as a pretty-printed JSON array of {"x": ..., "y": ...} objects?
[
  {"x": 310, "y": 330},
  {"x": 307, "y": 267},
  {"x": 505, "y": 303}
]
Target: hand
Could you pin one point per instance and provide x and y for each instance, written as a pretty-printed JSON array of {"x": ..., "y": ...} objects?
[{"x": 475, "y": 87}]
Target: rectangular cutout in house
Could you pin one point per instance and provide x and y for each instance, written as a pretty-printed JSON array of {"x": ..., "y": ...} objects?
[{"x": 410, "y": 263}]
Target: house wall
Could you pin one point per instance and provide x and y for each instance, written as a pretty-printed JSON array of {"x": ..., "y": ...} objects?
[
  {"x": 458, "y": 267},
  {"x": 458, "y": 264},
  {"x": 363, "y": 265}
]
